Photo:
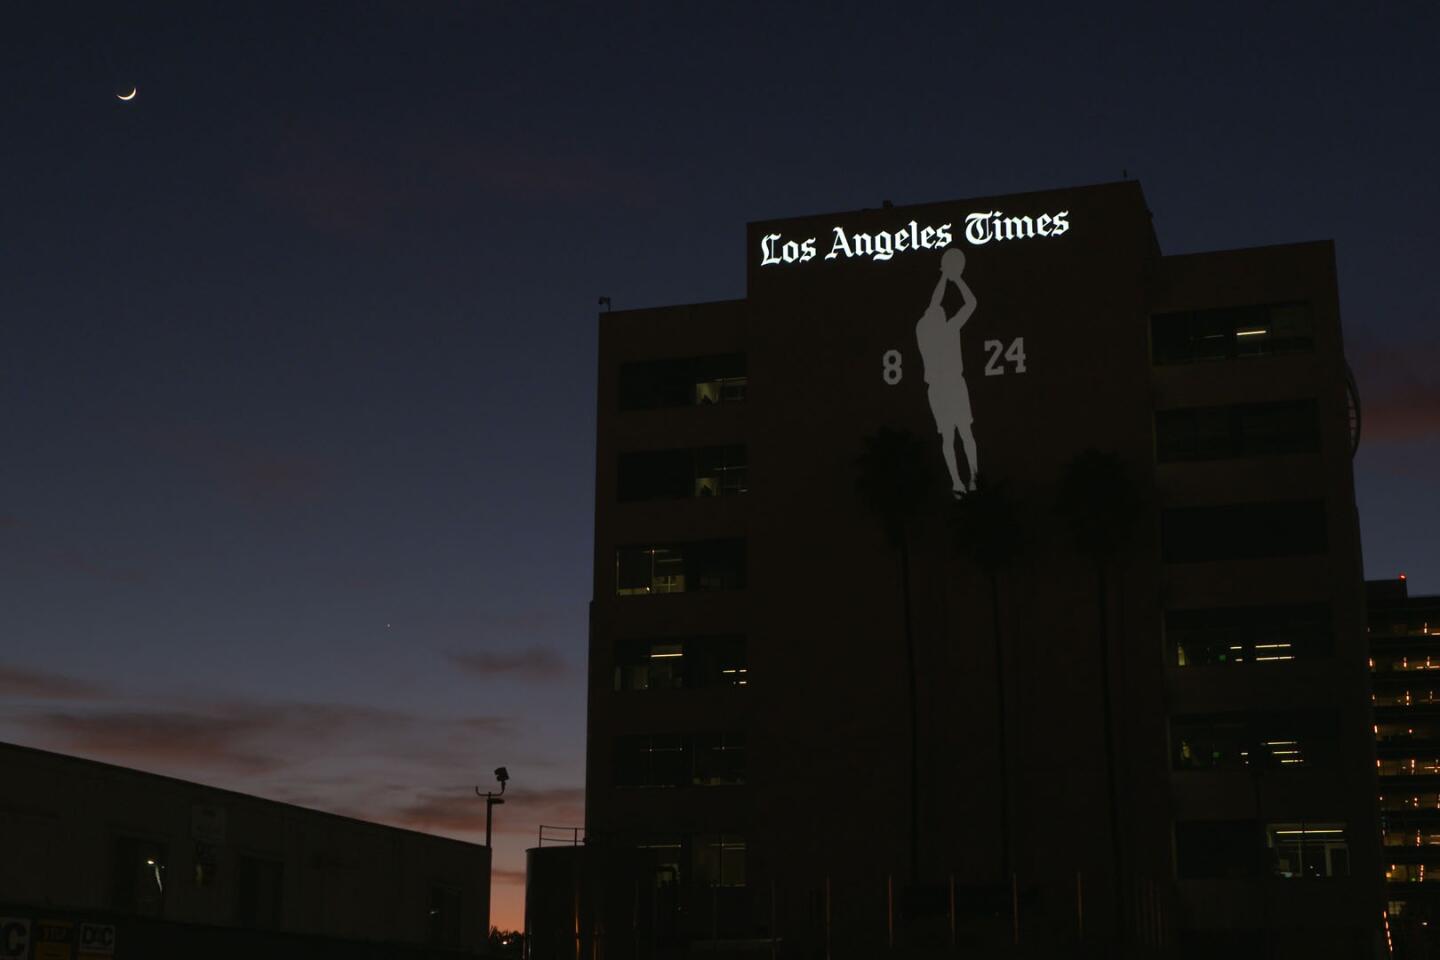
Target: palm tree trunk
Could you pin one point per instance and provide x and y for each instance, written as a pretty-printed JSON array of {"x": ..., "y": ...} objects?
[
  {"x": 1103, "y": 596},
  {"x": 1000, "y": 728},
  {"x": 914, "y": 715}
]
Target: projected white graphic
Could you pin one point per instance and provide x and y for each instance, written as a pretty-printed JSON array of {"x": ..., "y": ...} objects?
[
  {"x": 938, "y": 337},
  {"x": 882, "y": 245}
]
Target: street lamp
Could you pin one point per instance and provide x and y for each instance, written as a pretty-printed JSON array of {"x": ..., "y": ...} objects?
[{"x": 491, "y": 799}]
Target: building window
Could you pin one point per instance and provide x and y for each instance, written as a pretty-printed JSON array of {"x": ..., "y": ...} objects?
[
  {"x": 652, "y": 760},
  {"x": 683, "y": 382},
  {"x": 692, "y": 662},
  {"x": 259, "y": 893},
  {"x": 1404, "y": 832},
  {"x": 1407, "y": 800},
  {"x": 1423, "y": 765},
  {"x": 698, "y": 565},
  {"x": 1260, "y": 634},
  {"x": 1190, "y": 336},
  {"x": 1255, "y": 742},
  {"x": 677, "y": 474},
  {"x": 140, "y": 877},
  {"x": 721, "y": 471},
  {"x": 1422, "y": 692},
  {"x": 1247, "y": 531},
  {"x": 678, "y": 760},
  {"x": 1217, "y": 849},
  {"x": 1404, "y": 736},
  {"x": 1413, "y": 872},
  {"x": 445, "y": 919},
  {"x": 1308, "y": 850},
  {"x": 720, "y": 860},
  {"x": 1241, "y": 430},
  {"x": 719, "y": 759}
]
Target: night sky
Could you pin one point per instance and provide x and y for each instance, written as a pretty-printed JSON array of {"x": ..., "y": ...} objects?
[{"x": 297, "y": 348}]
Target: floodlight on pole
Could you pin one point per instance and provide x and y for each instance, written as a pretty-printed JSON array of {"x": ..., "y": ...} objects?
[{"x": 491, "y": 799}]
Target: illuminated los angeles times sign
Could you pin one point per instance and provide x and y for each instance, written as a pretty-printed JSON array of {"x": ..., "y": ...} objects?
[{"x": 980, "y": 229}]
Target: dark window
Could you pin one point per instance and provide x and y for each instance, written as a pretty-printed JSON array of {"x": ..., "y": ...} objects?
[
  {"x": 1230, "y": 635},
  {"x": 1217, "y": 848},
  {"x": 679, "y": 760},
  {"x": 140, "y": 877},
  {"x": 719, "y": 759},
  {"x": 260, "y": 889},
  {"x": 698, "y": 565},
  {"x": 675, "y": 474},
  {"x": 656, "y": 475},
  {"x": 652, "y": 760},
  {"x": 1280, "y": 741},
  {"x": 1244, "y": 531},
  {"x": 1241, "y": 430},
  {"x": 683, "y": 382},
  {"x": 1193, "y": 335},
  {"x": 720, "y": 860},
  {"x": 691, "y": 662},
  {"x": 444, "y": 922},
  {"x": 661, "y": 857}
]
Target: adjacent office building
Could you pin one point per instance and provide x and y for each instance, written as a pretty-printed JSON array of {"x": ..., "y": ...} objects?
[
  {"x": 1141, "y": 721},
  {"x": 1405, "y": 665}
]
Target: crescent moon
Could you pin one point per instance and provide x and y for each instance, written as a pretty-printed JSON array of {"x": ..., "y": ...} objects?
[{"x": 128, "y": 96}]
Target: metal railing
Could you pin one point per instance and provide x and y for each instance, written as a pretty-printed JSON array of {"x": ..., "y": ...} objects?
[{"x": 571, "y": 836}]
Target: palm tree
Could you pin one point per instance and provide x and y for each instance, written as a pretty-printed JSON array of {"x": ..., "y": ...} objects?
[
  {"x": 987, "y": 531},
  {"x": 894, "y": 483},
  {"x": 1099, "y": 500}
]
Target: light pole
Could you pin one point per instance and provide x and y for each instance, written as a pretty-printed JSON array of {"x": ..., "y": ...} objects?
[{"x": 491, "y": 799}]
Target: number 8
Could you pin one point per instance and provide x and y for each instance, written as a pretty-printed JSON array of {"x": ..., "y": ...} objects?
[{"x": 892, "y": 371}]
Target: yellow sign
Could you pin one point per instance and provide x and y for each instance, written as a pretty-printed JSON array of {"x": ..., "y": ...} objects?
[{"x": 52, "y": 939}]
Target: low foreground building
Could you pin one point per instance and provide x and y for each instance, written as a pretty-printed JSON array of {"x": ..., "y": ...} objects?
[{"x": 103, "y": 861}]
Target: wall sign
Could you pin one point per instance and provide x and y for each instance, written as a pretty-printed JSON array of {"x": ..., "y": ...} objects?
[
  {"x": 980, "y": 229},
  {"x": 14, "y": 938}
]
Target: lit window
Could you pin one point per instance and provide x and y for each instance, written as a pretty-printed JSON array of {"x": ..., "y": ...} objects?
[
  {"x": 691, "y": 662},
  {"x": 683, "y": 382},
  {"x": 141, "y": 877},
  {"x": 1260, "y": 742},
  {"x": 680, "y": 567},
  {"x": 1310, "y": 850},
  {"x": 1218, "y": 334},
  {"x": 1239, "y": 635}
]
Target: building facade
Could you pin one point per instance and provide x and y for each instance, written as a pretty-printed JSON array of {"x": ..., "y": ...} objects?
[
  {"x": 1405, "y": 664},
  {"x": 102, "y": 861},
  {"x": 984, "y": 577}
]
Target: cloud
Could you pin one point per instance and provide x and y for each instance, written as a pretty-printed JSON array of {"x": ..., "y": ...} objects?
[
  {"x": 243, "y": 737},
  {"x": 492, "y": 725},
  {"x": 340, "y": 179},
  {"x": 531, "y": 663},
  {"x": 74, "y": 561},
  {"x": 459, "y": 810},
  {"x": 511, "y": 877},
  {"x": 255, "y": 474},
  {"x": 156, "y": 737},
  {"x": 1399, "y": 392},
  {"x": 38, "y": 685}
]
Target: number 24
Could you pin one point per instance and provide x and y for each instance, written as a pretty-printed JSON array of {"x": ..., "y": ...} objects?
[{"x": 1015, "y": 353}]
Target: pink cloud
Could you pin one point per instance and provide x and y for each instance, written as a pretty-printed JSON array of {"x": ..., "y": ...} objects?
[
  {"x": 39, "y": 685},
  {"x": 531, "y": 663}
]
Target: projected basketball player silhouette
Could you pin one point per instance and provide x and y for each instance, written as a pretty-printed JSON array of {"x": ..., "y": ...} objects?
[{"x": 938, "y": 337}]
